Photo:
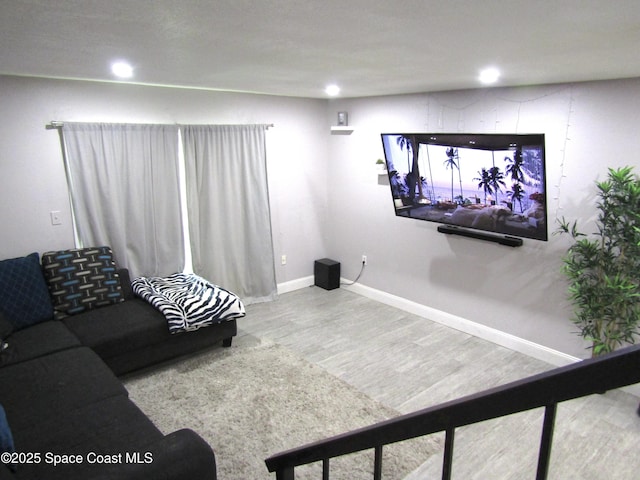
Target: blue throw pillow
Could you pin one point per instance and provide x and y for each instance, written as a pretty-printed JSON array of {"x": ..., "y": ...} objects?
[
  {"x": 24, "y": 296},
  {"x": 6, "y": 439}
]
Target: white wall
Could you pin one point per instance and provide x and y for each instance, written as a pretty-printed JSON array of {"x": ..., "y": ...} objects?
[
  {"x": 325, "y": 196},
  {"x": 32, "y": 180},
  {"x": 588, "y": 127}
]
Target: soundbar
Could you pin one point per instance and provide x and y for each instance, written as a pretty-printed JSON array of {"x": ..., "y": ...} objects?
[{"x": 501, "y": 239}]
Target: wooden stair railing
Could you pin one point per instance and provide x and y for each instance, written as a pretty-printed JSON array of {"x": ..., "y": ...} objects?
[{"x": 593, "y": 376}]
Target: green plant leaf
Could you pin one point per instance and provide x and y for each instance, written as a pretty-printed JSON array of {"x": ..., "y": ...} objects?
[{"x": 602, "y": 269}]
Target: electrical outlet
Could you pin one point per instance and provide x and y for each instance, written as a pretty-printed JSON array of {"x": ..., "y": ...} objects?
[
  {"x": 364, "y": 259},
  {"x": 56, "y": 217},
  {"x": 283, "y": 260}
]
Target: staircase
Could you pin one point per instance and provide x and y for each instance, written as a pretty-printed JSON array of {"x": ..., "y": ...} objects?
[{"x": 547, "y": 390}]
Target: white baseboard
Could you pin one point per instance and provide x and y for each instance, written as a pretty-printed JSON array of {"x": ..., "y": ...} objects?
[
  {"x": 295, "y": 284},
  {"x": 546, "y": 354},
  {"x": 526, "y": 347}
]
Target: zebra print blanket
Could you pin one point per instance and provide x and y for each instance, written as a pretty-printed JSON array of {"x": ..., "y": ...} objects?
[{"x": 188, "y": 302}]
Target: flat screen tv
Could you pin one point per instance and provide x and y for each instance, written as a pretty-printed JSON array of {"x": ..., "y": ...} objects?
[{"x": 471, "y": 183}]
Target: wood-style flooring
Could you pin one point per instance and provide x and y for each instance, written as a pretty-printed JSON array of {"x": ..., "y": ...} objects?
[{"x": 407, "y": 362}]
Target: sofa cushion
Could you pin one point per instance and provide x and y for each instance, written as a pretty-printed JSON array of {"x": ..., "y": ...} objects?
[
  {"x": 121, "y": 328},
  {"x": 49, "y": 386},
  {"x": 176, "y": 345},
  {"x": 6, "y": 327},
  {"x": 125, "y": 283},
  {"x": 24, "y": 297},
  {"x": 81, "y": 279},
  {"x": 111, "y": 426},
  {"x": 36, "y": 341},
  {"x": 104, "y": 426}
]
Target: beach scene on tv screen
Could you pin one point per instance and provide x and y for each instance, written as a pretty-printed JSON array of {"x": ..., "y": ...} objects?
[{"x": 487, "y": 182}]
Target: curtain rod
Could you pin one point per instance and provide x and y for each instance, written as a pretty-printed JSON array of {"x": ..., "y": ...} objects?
[{"x": 58, "y": 124}]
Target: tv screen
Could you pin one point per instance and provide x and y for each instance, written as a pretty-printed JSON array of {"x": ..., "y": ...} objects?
[{"x": 487, "y": 182}]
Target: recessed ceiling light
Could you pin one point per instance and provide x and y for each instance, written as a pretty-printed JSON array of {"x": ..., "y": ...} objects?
[
  {"x": 489, "y": 75},
  {"x": 122, "y": 69},
  {"x": 332, "y": 90}
]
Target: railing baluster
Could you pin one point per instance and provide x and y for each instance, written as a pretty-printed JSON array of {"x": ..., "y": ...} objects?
[
  {"x": 377, "y": 463},
  {"x": 325, "y": 469},
  {"x": 546, "y": 441},
  {"x": 285, "y": 473},
  {"x": 447, "y": 463}
]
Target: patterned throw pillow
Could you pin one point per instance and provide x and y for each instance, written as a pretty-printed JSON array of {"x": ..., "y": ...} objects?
[
  {"x": 24, "y": 298},
  {"x": 81, "y": 279}
]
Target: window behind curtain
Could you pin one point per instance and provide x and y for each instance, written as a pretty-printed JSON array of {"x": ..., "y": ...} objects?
[
  {"x": 228, "y": 205},
  {"x": 124, "y": 187}
]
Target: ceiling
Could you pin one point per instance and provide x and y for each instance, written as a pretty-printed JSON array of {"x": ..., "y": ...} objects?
[{"x": 296, "y": 48}]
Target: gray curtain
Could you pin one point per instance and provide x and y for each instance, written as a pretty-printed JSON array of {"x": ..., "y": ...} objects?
[
  {"x": 124, "y": 185},
  {"x": 228, "y": 208}
]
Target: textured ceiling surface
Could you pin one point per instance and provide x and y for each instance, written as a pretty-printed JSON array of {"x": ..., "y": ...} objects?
[{"x": 295, "y": 48}]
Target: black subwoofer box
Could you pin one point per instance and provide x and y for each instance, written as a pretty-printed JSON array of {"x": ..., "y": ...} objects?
[{"x": 327, "y": 273}]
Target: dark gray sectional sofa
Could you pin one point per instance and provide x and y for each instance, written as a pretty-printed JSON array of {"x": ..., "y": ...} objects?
[{"x": 64, "y": 414}]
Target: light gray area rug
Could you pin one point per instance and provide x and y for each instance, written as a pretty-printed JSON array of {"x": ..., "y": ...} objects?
[{"x": 258, "y": 398}]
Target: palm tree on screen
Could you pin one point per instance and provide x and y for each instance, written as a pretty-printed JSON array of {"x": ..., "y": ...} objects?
[
  {"x": 411, "y": 145},
  {"x": 485, "y": 183},
  {"x": 452, "y": 162},
  {"x": 514, "y": 167},
  {"x": 497, "y": 179},
  {"x": 405, "y": 143},
  {"x": 516, "y": 194}
]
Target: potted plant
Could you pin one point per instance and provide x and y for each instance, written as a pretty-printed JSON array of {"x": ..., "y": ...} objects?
[
  {"x": 382, "y": 166},
  {"x": 604, "y": 268}
]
